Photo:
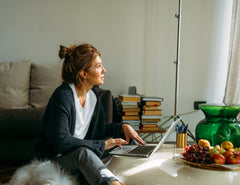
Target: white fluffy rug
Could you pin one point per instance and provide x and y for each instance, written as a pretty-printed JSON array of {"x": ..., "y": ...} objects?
[{"x": 42, "y": 173}]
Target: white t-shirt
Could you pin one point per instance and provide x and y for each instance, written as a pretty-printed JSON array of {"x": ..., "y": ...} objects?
[{"x": 83, "y": 115}]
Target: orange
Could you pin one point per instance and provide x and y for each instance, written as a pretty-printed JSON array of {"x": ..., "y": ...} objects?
[
  {"x": 227, "y": 145},
  {"x": 204, "y": 143}
]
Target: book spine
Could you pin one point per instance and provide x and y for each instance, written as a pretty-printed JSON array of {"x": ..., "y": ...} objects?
[
  {"x": 150, "y": 103},
  {"x": 131, "y": 117},
  {"x": 153, "y": 120},
  {"x": 150, "y": 129},
  {"x": 154, "y": 112},
  {"x": 131, "y": 109},
  {"x": 149, "y": 125},
  {"x": 130, "y": 113},
  {"x": 129, "y": 98}
]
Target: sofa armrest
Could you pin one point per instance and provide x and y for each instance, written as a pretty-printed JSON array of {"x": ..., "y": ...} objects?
[{"x": 110, "y": 106}]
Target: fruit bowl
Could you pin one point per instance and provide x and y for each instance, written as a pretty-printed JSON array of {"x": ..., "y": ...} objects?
[
  {"x": 219, "y": 167},
  {"x": 224, "y": 157}
]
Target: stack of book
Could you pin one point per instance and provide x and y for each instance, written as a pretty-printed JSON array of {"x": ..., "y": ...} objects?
[
  {"x": 131, "y": 109},
  {"x": 151, "y": 113}
]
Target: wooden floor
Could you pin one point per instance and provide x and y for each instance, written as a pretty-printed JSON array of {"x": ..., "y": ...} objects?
[{"x": 7, "y": 169}]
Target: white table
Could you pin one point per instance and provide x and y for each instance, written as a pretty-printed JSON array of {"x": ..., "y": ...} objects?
[{"x": 161, "y": 169}]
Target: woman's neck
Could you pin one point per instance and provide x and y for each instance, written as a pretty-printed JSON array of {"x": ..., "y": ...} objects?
[{"x": 82, "y": 91}]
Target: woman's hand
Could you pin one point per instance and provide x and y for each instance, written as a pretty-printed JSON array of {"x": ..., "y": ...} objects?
[
  {"x": 130, "y": 133},
  {"x": 114, "y": 142}
]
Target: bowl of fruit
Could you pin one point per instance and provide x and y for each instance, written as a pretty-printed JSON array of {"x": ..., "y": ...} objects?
[{"x": 202, "y": 155}]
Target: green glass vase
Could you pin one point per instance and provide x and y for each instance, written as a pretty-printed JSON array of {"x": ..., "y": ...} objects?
[{"x": 220, "y": 124}]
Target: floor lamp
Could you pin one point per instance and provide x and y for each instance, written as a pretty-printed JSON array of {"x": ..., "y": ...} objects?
[{"x": 177, "y": 63}]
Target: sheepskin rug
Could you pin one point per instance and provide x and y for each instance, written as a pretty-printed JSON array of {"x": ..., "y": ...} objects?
[{"x": 42, "y": 173}]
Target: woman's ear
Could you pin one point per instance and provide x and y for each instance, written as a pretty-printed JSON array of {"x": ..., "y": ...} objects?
[{"x": 83, "y": 74}]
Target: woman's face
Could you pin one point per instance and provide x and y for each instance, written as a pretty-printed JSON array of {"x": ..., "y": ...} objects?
[{"x": 95, "y": 74}]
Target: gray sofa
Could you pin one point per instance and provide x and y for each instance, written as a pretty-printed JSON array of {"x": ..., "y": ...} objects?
[{"x": 25, "y": 89}]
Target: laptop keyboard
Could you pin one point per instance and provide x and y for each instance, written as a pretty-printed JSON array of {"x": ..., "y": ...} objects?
[{"x": 142, "y": 149}]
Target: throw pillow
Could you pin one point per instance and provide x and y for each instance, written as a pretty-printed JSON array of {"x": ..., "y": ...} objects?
[
  {"x": 45, "y": 78},
  {"x": 14, "y": 84}
]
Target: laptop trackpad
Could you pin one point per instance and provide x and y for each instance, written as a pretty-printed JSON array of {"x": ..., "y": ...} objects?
[{"x": 125, "y": 149}]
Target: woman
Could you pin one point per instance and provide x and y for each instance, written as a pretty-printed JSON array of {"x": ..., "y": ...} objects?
[{"x": 73, "y": 131}]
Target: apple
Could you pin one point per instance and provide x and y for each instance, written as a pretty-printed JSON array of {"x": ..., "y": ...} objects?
[
  {"x": 236, "y": 152},
  {"x": 233, "y": 159},
  {"x": 227, "y": 153},
  {"x": 217, "y": 158}
]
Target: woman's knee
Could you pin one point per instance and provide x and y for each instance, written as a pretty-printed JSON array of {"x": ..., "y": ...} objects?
[{"x": 85, "y": 154}]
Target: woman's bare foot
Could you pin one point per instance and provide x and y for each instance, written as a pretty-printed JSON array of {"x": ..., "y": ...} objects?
[{"x": 115, "y": 183}]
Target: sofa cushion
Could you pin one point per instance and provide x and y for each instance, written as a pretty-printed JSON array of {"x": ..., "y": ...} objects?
[
  {"x": 20, "y": 123},
  {"x": 21, "y": 150},
  {"x": 45, "y": 78},
  {"x": 14, "y": 84}
]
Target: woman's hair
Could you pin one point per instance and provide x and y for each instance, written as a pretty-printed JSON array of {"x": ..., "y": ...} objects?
[{"x": 76, "y": 58}]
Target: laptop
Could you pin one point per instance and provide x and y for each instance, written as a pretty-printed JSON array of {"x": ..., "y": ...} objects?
[{"x": 144, "y": 150}]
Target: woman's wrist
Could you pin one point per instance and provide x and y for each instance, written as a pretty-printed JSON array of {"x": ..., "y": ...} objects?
[{"x": 123, "y": 125}]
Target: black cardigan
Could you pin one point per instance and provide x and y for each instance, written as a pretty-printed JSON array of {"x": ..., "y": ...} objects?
[{"x": 58, "y": 125}]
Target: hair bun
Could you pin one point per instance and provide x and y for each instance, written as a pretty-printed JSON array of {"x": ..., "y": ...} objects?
[{"x": 63, "y": 52}]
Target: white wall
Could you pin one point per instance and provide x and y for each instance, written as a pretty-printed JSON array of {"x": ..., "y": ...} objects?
[
  {"x": 137, "y": 39},
  {"x": 203, "y": 54}
]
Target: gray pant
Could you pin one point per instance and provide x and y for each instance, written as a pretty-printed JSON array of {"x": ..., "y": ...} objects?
[{"x": 87, "y": 165}]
